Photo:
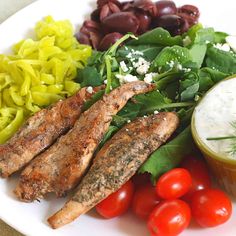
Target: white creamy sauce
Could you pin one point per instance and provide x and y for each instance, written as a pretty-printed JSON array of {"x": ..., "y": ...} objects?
[{"x": 215, "y": 113}]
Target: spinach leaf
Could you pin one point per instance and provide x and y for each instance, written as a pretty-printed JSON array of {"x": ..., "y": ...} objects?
[
  {"x": 220, "y": 37},
  {"x": 152, "y": 101},
  {"x": 198, "y": 52},
  {"x": 221, "y": 60},
  {"x": 130, "y": 110},
  {"x": 189, "y": 86},
  {"x": 97, "y": 96},
  {"x": 89, "y": 76},
  {"x": 158, "y": 37},
  {"x": 149, "y": 51},
  {"x": 169, "y": 155},
  {"x": 112, "y": 129},
  {"x": 175, "y": 54},
  {"x": 208, "y": 77}
]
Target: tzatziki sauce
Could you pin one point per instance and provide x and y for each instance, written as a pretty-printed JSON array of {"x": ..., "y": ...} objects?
[{"x": 214, "y": 115}]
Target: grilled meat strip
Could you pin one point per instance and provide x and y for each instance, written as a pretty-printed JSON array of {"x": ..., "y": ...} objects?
[
  {"x": 60, "y": 168},
  {"x": 40, "y": 131},
  {"x": 116, "y": 163}
]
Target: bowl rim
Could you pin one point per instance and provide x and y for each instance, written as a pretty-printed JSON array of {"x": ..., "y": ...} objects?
[{"x": 202, "y": 146}]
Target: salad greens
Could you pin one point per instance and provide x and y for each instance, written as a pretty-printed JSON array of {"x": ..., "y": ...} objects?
[{"x": 183, "y": 69}]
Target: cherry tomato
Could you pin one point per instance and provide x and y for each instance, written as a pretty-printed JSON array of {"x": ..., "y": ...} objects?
[
  {"x": 200, "y": 175},
  {"x": 117, "y": 203},
  {"x": 144, "y": 201},
  {"x": 210, "y": 207},
  {"x": 140, "y": 180},
  {"x": 174, "y": 183},
  {"x": 169, "y": 218}
]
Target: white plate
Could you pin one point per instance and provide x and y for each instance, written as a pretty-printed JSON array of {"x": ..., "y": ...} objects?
[{"x": 30, "y": 219}]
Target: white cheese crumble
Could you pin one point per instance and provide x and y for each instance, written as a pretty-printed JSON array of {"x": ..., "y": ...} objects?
[
  {"x": 142, "y": 66},
  {"x": 223, "y": 47},
  {"x": 90, "y": 89},
  {"x": 128, "y": 121},
  {"x": 126, "y": 78},
  {"x": 123, "y": 66},
  {"x": 105, "y": 81},
  {"x": 149, "y": 77},
  {"x": 155, "y": 112},
  {"x": 231, "y": 40}
]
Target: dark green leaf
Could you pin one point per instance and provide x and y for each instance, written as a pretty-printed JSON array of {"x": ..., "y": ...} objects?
[
  {"x": 97, "y": 96},
  {"x": 89, "y": 76},
  {"x": 204, "y": 35},
  {"x": 221, "y": 60},
  {"x": 208, "y": 77},
  {"x": 190, "y": 92},
  {"x": 169, "y": 155},
  {"x": 175, "y": 54},
  {"x": 112, "y": 129},
  {"x": 149, "y": 51},
  {"x": 152, "y": 101},
  {"x": 158, "y": 37}
]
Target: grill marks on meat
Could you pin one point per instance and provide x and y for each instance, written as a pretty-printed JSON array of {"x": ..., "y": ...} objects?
[
  {"x": 116, "y": 163},
  {"x": 60, "y": 168},
  {"x": 40, "y": 131}
]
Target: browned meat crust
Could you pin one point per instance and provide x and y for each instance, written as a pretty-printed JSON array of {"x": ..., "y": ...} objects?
[
  {"x": 60, "y": 167},
  {"x": 40, "y": 131},
  {"x": 116, "y": 163}
]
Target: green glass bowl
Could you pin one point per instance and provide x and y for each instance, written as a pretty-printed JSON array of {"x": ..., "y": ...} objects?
[{"x": 222, "y": 167}]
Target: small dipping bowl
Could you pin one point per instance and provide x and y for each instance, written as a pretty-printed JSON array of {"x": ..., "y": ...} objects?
[{"x": 222, "y": 166}]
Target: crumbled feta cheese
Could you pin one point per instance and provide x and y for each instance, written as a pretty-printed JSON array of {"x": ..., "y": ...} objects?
[
  {"x": 179, "y": 67},
  {"x": 186, "y": 69},
  {"x": 231, "y": 40},
  {"x": 111, "y": 88},
  {"x": 123, "y": 66},
  {"x": 196, "y": 98},
  {"x": 224, "y": 47},
  {"x": 149, "y": 77},
  {"x": 142, "y": 66},
  {"x": 90, "y": 89},
  {"x": 164, "y": 118},
  {"x": 170, "y": 63},
  {"x": 128, "y": 121},
  {"x": 187, "y": 41},
  {"x": 127, "y": 130},
  {"x": 145, "y": 116},
  {"x": 105, "y": 81},
  {"x": 156, "y": 112},
  {"x": 126, "y": 78}
]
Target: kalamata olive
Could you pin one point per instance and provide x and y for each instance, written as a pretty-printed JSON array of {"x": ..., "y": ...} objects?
[
  {"x": 95, "y": 39},
  {"x": 127, "y": 6},
  {"x": 95, "y": 15},
  {"x": 108, "y": 9},
  {"x": 190, "y": 19},
  {"x": 101, "y": 3},
  {"x": 166, "y": 7},
  {"x": 121, "y": 22},
  {"x": 173, "y": 23},
  {"x": 90, "y": 26},
  {"x": 146, "y": 5},
  {"x": 144, "y": 21},
  {"x": 109, "y": 40},
  {"x": 190, "y": 10},
  {"x": 83, "y": 38}
]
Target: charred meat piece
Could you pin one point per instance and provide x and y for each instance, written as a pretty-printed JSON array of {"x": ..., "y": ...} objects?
[
  {"x": 40, "y": 131},
  {"x": 116, "y": 163},
  {"x": 60, "y": 168}
]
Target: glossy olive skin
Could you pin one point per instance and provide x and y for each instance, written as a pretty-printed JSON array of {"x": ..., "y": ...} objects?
[
  {"x": 173, "y": 23},
  {"x": 136, "y": 16},
  {"x": 109, "y": 40},
  {"x": 165, "y": 8},
  {"x": 121, "y": 22}
]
